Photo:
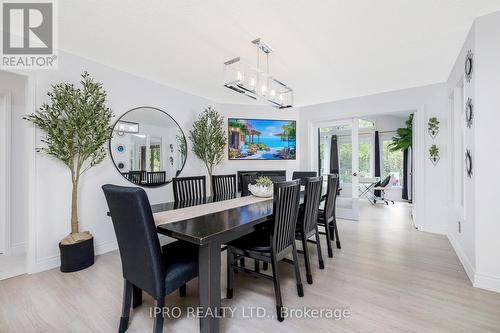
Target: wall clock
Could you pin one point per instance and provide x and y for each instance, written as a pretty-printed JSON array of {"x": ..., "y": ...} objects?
[
  {"x": 468, "y": 163},
  {"x": 469, "y": 112},
  {"x": 469, "y": 64}
]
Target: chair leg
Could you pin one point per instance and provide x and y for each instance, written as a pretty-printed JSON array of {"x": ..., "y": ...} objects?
[
  {"x": 256, "y": 267},
  {"x": 300, "y": 288},
  {"x": 158, "y": 325},
  {"x": 265, "y": 266},
  {"x": 277, "y": 289},
  {"x": 330, "y": 231},
  {"x": 336, "y": 233},
  {"x": 306, "y": 260},
  {"x": 183, "y": 290},
  {"x": 328, "y": 242},
  {"x": 230, "y": 273},
  {"x": 136, "y": 296},
  {"x": 318, "y": 247},
  {"x": 127, "y": 302}
]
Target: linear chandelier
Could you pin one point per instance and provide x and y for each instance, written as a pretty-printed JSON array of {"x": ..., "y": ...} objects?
[{"x": 255, "y": 81}]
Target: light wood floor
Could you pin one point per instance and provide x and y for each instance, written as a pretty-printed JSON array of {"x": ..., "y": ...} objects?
[{"x": 390, "y": 276}]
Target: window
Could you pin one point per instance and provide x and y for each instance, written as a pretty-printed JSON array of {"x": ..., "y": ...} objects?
[
  {"x": 363, "y": 123},
  {"x": 345, "y": 162},
  {"x": 392, "y": 163},
  {"x": 155, "y": 163},
  {"x": 364, "y": 159}
]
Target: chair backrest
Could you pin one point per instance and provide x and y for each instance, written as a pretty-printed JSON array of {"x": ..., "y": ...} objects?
[
  {"x": 302, "y": 175},
  {"x": 385, "y": 182},
  {"x": 223, "y": 187},
  {"x": 331, "y": 197},
  {"x": 286, "y": 202},
  {"x": 247, "y": 179},
  {"x": 157, "y": 178},
  {"x": 137, "y": 238},
  {"x": 312, "y": 198},
  {"x": 137, "y": 177},
  {"x": 274, "y": 175},
  {"x": 189, "y": 188}
]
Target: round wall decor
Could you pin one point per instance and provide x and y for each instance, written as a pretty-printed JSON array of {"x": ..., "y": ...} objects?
[
  {"x": 469, "y": 64},
  {"x": 468, "y": 163},
  {"x": 469, "y": 112},
  {"x": 120, "y": 148}
]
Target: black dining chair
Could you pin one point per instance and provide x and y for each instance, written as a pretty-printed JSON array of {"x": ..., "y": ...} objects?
[
  {"x": 271, "y": 245},
  {"x": 326, "y": 216},
  {"x": 307, "y": 223},
  {"x": 145, "y": 265},
  {"x": 303, "y": 175},
  {"x": 223, "y": 187},
  {"x": 247, "y": 179},
  {"x": 137, "y": 177},
  {"x": 157, "y": 178},
  {"x": 189, "y": 188}
]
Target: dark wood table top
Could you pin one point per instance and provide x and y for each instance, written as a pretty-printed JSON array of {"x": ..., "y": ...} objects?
[{"x": 203, "y": 229}]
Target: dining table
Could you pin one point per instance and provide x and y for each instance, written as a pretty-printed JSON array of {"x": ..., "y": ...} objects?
[{"x": 209, "y": 223}]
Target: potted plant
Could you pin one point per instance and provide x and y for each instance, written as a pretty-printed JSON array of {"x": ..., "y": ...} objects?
[
  {"x": 404, "y": 136},
  {"x": 76, "y": 123},
  {"x": 209, "y": 139},
  {"x": 433, "y": 125},
  {"x": 434, "y": 154},
  {"x": 263, "y": 187}
]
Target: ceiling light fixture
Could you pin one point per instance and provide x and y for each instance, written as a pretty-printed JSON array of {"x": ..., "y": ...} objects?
[{"x": 256, "y": 82}]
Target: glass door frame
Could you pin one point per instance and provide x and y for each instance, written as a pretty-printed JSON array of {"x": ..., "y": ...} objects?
[{"x": 345, "y": 213}]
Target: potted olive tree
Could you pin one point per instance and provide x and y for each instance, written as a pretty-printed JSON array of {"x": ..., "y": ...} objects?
[
  {"x": 76, "y": 123},
  {"x": 209, "y": 139}
]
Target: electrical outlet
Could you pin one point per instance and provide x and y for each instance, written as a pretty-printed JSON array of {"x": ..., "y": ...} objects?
[{"x": 459, "y": 227}]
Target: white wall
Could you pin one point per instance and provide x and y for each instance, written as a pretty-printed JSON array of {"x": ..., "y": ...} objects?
[
  {"x": 463, "y": 241},
  {"x": 53, "y": 186},
  {"x": 429, "y": 101},
  {"x": 125, "y": 91},
  {"x": 16, "y": 85},
  {"x": 485, "y": 155},
  {"x": 477, "y": 245}
]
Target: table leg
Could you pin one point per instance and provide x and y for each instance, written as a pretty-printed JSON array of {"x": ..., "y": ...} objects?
[{"x": 209, "y": 287}]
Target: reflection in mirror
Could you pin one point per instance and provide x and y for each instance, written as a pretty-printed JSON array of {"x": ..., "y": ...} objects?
[{"x": 148, "y": 147}]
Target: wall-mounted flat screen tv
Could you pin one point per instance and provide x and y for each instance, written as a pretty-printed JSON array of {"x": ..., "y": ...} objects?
[{"x": 262, "y": 139}]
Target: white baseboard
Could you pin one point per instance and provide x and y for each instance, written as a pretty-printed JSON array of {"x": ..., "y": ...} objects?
[
  {"x": 487, "y": 282},
  {"x": 46, "y": 264},
  {"x": 17, "y": 249},
  {"x": 55, "y": 261},
  {"x": 469, "y": 269},
  {"x": 106, "y": 247}
]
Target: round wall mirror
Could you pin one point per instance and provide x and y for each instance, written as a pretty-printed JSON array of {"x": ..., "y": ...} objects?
[{"x": 148, "y": 147}]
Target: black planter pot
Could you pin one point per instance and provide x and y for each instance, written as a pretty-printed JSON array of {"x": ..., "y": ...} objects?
[{"x": 75, "y": 257}]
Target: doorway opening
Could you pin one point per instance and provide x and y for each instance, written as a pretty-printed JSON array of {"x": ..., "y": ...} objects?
[
  {"x": 363, "y": 153},
  {"x": 14, "y": 191}
]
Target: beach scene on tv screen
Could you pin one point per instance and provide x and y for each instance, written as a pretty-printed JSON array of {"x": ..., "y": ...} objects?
[{"x": 257, "y": 139}]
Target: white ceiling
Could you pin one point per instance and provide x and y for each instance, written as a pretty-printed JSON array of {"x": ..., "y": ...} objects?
[{"x": 325, "y": 50}]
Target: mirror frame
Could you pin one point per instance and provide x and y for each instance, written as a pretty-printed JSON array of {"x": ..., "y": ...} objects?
[{"x": 111, "y": 151}]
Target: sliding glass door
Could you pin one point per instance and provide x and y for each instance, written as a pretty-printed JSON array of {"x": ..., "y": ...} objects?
[{"x": 337, "y": 153}]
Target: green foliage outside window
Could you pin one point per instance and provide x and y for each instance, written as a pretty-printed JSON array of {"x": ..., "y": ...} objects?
[{"x": 392, "y": 162}]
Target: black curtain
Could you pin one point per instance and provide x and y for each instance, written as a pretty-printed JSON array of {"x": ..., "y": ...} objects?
[
  {"x": 377, "y": 160},
  {"x": 334, "y": 156},
  {"x": 406, "y": 173}
]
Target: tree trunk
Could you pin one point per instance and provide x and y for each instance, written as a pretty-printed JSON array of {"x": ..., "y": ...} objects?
[
  {"x": 210, "y": 182},
  {"x": 74, "y": 207}
]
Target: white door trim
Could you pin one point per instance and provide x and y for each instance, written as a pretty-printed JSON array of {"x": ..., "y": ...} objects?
[{"x": 5, "y": 158}]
